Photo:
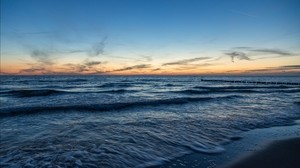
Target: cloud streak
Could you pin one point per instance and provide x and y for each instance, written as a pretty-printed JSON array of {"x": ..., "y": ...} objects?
[
  {"x": 186, "y": 61},
  {"x": 250, "y": 53},
  {"x": 98, "y": 48},
  {"x": 92, "y": 63},
  {"x": 238, "y": 55},
  {"x": 86, "y": 66},
  {"x": 42, "y": 62},
  {"x": 34, "y": 70},
  {"x": 193, "y": 66},
  {"x": 140, "y": 66},
  {"x": 42, "y": 57},
  {"x": 272, "y": 51},
  {"x": 279, "y": 68}
]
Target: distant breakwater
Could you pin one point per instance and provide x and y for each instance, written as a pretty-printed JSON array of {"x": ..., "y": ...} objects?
[{"x": 253, "y": 82}]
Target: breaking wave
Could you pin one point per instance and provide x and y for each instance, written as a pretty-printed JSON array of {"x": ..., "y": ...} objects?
[
  {"x": 115, "y": 85},
  {"x": 27, "y": 93},
  {"x": 108, "y": 107},
  {"x": 32, "y": 93},
  {"x": 241, "y": 87},
  {"x": 193, "y": 91}
]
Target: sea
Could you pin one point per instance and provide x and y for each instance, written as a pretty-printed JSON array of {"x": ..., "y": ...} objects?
[{"x": 133, "y": 121}]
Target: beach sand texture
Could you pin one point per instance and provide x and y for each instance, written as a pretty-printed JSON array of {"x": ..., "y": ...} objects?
[
  {"x": 275, "y": 147},
  {"x": 278, "y": 154}
]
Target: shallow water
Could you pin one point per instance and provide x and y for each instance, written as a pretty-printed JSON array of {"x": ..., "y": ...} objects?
[{"x": 95, "y": 121}]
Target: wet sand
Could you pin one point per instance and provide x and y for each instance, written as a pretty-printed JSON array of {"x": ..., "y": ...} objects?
[
  {"x": 278, "y": 154},
  {"x": 256, "y": 148}
]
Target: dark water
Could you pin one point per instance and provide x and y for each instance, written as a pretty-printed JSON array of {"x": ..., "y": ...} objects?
[{"x": 95, "y": 121}]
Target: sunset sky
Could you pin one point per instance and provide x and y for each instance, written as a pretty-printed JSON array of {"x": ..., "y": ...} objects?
[{"x": 163, "y": 37}]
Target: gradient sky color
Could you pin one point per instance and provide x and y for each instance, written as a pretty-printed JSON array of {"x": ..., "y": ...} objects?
[{"x": 150, "y": 37}]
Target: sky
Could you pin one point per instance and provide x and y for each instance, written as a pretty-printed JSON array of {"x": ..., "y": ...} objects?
[{"x": 150, "y": 37}]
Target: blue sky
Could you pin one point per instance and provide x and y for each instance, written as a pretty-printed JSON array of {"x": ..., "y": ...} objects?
[{"x": 152, "y": 32}]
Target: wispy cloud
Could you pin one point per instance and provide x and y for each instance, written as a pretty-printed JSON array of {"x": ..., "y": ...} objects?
[
  {"x": 76, "y": 67},
  {"x": 90, "y": 67},
  {"x": 92, "y": 63},
  {"x": 41, "y": 64},
  {"x": 140, "y": 66},
  {"x": 85, "y": 66},
  {"x": 42, "y": 57},
  {"x": 193, "y": 66},
  {"x": 291, "y": 66},
  {"x": 74, "y": 51},
  {"x": 279, "y": 68},
  {"x": 186, "y": 61},
  {"x": 241, "y": 48},
  {"x": 44, "y": 64},
  {"x": 34, "y": 70},
  {"x": 250, "y": 53},
  {"x": 146, "y": 57},
  {"x": 98, "y": 48},
  {"x": 238, "y": 55},
  {"x": 156, "y": 69},
  {"x": 272, "y": 51}
]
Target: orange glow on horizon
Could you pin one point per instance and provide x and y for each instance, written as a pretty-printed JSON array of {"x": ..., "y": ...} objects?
[{"x": 224, "y": 66}]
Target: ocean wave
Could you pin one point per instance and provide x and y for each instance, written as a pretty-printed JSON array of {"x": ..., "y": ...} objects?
[
  {"x": 172, "y": 85},
  {"x": 27, "y": 93},
  {"x": 33, "y": 80},
  {"x": 298, "y": 103},
  {"x": 115, "y": 85},
  {"x": 291, "y": 91},
  {"x": 241, "y": 87},
  {"x": 32, "y": 93},
  {"x": 193, "y": 91},
  {"x": 116, "y": 91},
  {"x": 59, "y": 80},
  {"x": 108, "y": 106},
  {"x": 206, "y": 148}
]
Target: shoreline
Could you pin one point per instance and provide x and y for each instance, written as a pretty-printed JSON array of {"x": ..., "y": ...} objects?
[
  {"x": 238, "y": 152},
  {"x": 279, "y": 153}
]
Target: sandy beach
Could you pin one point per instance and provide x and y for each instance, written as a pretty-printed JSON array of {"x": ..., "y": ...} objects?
[
  {"x": 278, "y": 154},
  {"x": 276, "y": 147}
]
